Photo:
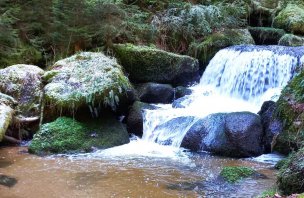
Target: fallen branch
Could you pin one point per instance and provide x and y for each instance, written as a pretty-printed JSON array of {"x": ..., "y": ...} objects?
[
  {"x": 20, "y": 119},
  {"x": 11, "y": 140}
]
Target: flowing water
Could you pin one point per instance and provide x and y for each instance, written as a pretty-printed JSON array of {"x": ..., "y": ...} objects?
[{"x": 239, "y": 78}]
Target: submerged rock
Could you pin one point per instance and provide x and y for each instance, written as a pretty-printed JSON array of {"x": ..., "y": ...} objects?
[
  {"x": 86, "y": 79},
  {"x": 135, "y": 117},
  {"x": 7, "y": 181},
  {"x": 6, "y": 117},
  {"x": 147, "y": 64},
  {"x": 66, "y": 135},
  {"x": 155, "y": 93},
  {"x": 291, "y": 18},
  {"x": 229, "y": 134},
  {"x": 24, "y": 84},
  {"x": 291, "y": 174}
]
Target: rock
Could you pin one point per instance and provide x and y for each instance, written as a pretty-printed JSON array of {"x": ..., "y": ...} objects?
[
  {"x": 7, "y": 181},
  {"x": 147, "y": 64},
  {"x": 24, "y": 84},
  {"x": 271, "y": 125},
  {"x": 232, "y": 134},
  {"x": 290, "y": 110},
  {"x": 135, "y": 118},
  {"x": 291, "y": 175},
  {"x": 6, "y": 117},
  {"x": 291, "y": 40},
  {"x": 179, "y": 103},
  {"x": 213, "y": 43},
  {"x": 234, "y": 174},
  {"x": 263, "y": 11},
  {"x": 86, "y": 80},
  {"x": 266, "y": 35},
  {"x": 155, "y": 93},
  {"x": 8, "y": 100},
  {"x": 291, "y": 18},
  {"x": 181, "y": 91},
  {"x": 66, "y": 135}
]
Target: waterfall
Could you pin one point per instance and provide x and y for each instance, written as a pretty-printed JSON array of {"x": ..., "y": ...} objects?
[{"x": 238, "y": 78}]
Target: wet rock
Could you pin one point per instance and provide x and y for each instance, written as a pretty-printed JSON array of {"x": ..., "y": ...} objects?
[
  {"x": 181, "y": 91},
  {"x": 135, "y": 118},
  {"x": 271, "y": 125},
  {"x": 233, "y": 134},
  {"x": 147, "y": 64},
  {"x": 266, "y": 35},
  {"x": 6, "y": 117},
  {"x": 291, "y": 40},
  {"x": 7, "y": 181},
  {"x": 85, "y": 79},
  {"x": 24, "y": 84},
  {"x": 155, "y": 93},
  {"x": 291, "y": 18},
  {"x": 179, "y": 103},
  {"x": 66, "y": 135}
]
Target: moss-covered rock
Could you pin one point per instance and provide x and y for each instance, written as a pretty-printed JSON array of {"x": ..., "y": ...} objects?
[
  {"x": 266, "y": 35},
  {"x": 291, "y": 18},
  {"x": 291, "y": 40},
  {"x": 147, "y": 64},
  {"x": 290, "y": 109},
  {"x": 85, "y": 79},
  {"x": 205, "y": 50},
  {"x": 24, "y": 84},
  {"x": 291, "y": 175},
  {"x": 233, "y": 174},
  {"x": 66, "y": 135},
  {"x": 6, "y": 116}
]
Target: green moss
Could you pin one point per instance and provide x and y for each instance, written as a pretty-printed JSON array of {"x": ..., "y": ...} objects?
[
  {"x": 205, "y": 50},
  {"x": 291, "y": 40},
  {"x": 147, "y": 64},
  {"x": 269, "y": 193},
  {"x": 235, "y": 173},
  {"x": 86, "y": 79},
  {"x": 281, "y": 163},
  {"x": 66, "y": 135},
  {"x": 290, "y": 111},
  {"x": 291, "y": 176},
  {"x": 291, "y": 18}
]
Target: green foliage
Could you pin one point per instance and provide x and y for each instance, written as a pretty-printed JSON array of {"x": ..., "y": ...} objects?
[
  {"x": 235, "y": 173},
  {"x": 269, "y": 193}
]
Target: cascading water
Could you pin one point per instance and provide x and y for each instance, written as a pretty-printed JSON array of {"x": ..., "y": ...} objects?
[{"x": 238, "y": 78}]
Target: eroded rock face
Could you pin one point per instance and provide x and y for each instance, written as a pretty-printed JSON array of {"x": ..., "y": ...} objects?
[
  {"x": 24, "y": 84},
  {"x": 86, "y": 79},
  {"x": 6, "y": 116},
  {"x": 147, "y": 64},
  {"x": 229, "y": 134},
  {"x": 266, "y": 35}
]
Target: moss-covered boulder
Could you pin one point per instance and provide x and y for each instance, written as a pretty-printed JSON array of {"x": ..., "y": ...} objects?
[
  {"x": 290, "y": 109},
  {"x": 234, "y": 174},
  {"x": 85, "y": 79},
  {"x": 213, "y": 43},
  {"x": 291, "y": 40},
  {"x": 291, "y": 175},
  {"x": 291, "y": 18},
  {"x": 24, "y": 84},
  {"x": 6, "y": 116},
  {"x": 266, "y": 35},
  {"x": 147, "y": 64},
  {"x": 66, "y": 135}
]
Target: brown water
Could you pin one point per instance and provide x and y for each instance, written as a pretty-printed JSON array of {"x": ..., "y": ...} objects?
[{"x": 85, "y": 176}]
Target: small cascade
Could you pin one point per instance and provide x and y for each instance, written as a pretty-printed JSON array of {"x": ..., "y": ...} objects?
[{"x": 238, "y": 78}]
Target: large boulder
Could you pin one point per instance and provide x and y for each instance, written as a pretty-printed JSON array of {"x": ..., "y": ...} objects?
[
  {"x": 290, "y": 110},
  {"x": 135, "y": 117},
  {"x": 213, "y": 43},
  {"x": 291, "y": 40},
  {"x": 155, "y": 93},
  {"x": 231, "y": 134},
  {"x": 147, "y": 64},
  {"x": 6, "y": 117},
  {"x": 24, "y": 84},
  {"x": 266, "y": 35},
  {"x": 291, "y": 18},
  {"x": 85, "y": 80},
  {"x": 66, "y": 135},
  {"x": 291, "y": 175}
]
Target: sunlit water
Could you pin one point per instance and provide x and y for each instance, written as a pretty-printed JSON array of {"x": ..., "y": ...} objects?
[{"x": 237, "y": 79}]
